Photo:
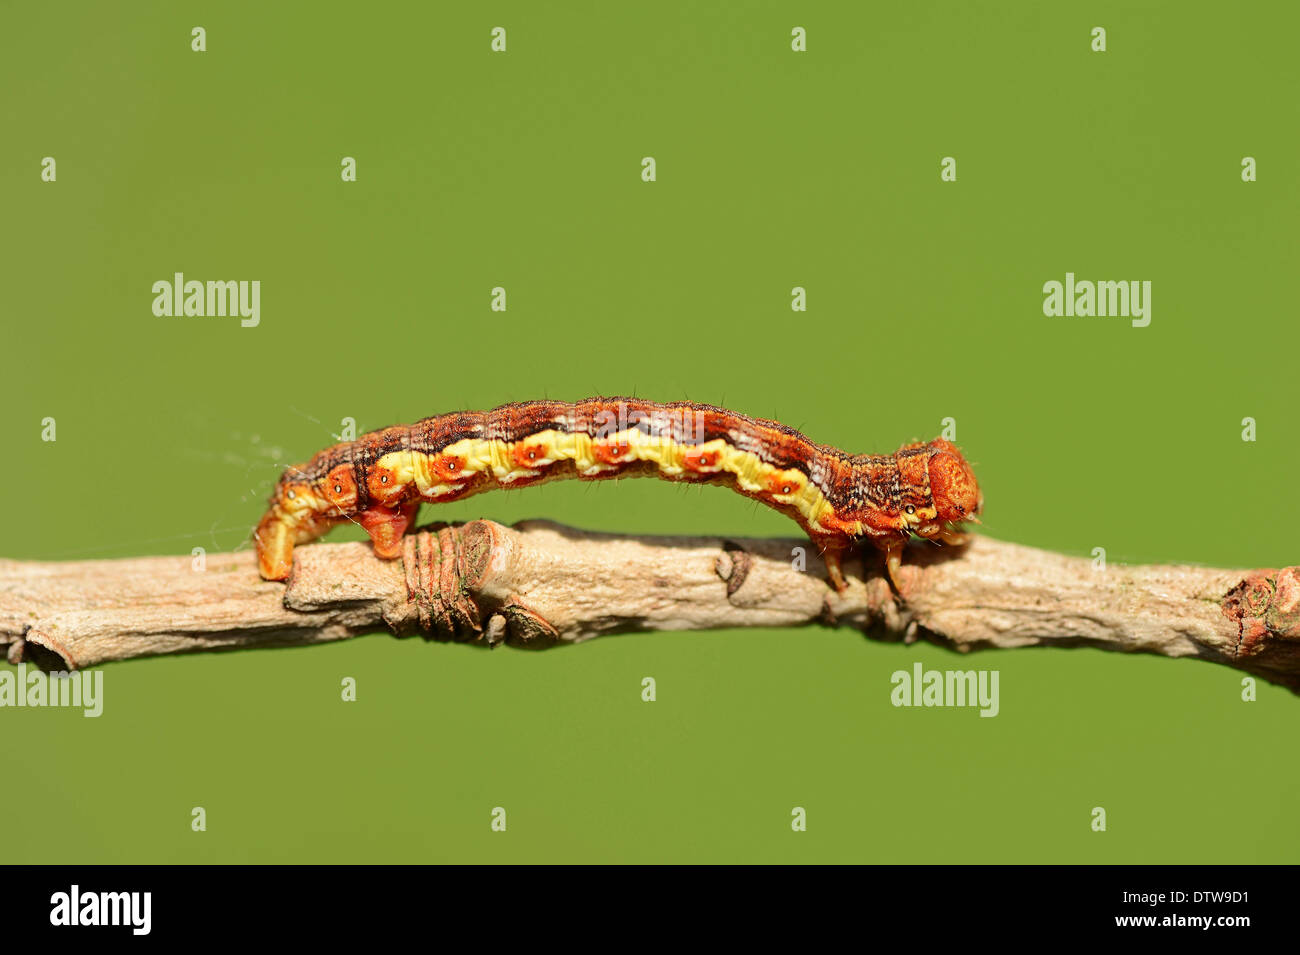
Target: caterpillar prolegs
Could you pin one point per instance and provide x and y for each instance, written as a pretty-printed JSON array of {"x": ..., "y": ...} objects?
[{"x": 380, "y": 479}]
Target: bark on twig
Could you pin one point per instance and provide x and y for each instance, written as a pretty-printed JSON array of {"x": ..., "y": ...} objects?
[{"x": 539, "y": 584}]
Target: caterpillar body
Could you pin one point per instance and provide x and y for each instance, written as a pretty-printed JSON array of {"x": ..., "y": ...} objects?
[{"x": 380, "y": 479}]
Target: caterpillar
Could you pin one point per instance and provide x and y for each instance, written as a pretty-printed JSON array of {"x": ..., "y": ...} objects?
[{"x": 380, "y": 479}]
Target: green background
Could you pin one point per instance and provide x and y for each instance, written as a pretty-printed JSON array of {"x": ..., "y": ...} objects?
[{"x": 775, "y": 169}]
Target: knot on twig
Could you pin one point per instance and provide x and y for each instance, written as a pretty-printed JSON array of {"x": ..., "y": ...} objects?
[
  {"x": 1264, "y": 605},
  {"x": 446, "y": 569},
  {"x": 733, "y": 565}
]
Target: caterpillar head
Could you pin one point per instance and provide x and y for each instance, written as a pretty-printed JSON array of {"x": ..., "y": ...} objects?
[
  {"x": 953, "y": 488},
  {"x": 937, "y": 490}
]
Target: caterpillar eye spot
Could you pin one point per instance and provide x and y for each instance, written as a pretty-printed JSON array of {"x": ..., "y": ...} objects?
[
  {"x": 338, "y": 489},
  {"x": 910, "y": 509},
  {"x": 383, "y": 479},
  {"x": 785, "y": 489},
  {"x": 291, "y": 495}
]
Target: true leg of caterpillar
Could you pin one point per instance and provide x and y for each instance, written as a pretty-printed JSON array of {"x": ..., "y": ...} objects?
[
  {"x": 833, "y": 555},
  {"x": 894, "y": 561},
  {"x": 953, "y": 538},
  {"x": 386, "y": 525}
]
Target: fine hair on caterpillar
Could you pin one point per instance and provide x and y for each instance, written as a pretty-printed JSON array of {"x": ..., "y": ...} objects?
[{"x": 380, "y": 479}]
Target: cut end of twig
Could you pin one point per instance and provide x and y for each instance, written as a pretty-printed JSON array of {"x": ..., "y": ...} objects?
[
  {"x": 39, "y": 648},
  {"x": 1265, "y": 609}
]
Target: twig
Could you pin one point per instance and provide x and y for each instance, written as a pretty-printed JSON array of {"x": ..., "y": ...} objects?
[{"x": 539, "y": 584}]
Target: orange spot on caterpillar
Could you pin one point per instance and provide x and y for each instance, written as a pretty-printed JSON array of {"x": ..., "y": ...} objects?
[
  {"x": 610, "y": 452},
  {"x": 782, "y": 484},
  {"x": 340, "y": 488},
  {"x": 527, "y": 455},
  {"x": 384, "y": 487},
  {"x": 447, "y": 467},
  {"x": 700, "y": 460},
  {"x": 291, "y": 491}
]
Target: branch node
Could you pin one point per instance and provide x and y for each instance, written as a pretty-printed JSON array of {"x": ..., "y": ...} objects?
[
  {"x": 527, "y": 628},
  {"x": 733, "y": 565}
]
